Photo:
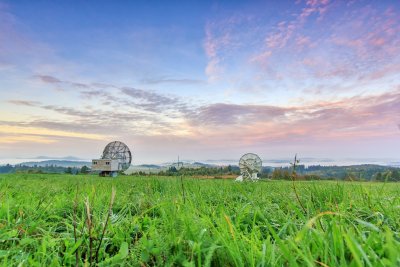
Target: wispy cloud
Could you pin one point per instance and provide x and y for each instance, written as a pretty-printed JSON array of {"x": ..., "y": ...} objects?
[
  {"x": 212, "y": 45},
  {"x": 53, "y": 80},
  {"x": 331, "y": 44},
  {"x": 18, "y": 138},
  {"x": 212, "y": 125},
  {"x": 122, "y": 110},
  {"x": 153, "y": 99},
  {"x": 114, "y": 95},
  {"x": 24, "y": 103},
  {"x": 164, "y": 80},
  {"x": 356, "y": 117},
  {"x": 233, "y": 114},
  {"x": 28, "y": 129},
  {"x": 48, "y": 79},
  {"x": 222, "y": 39},
  {"x": 287, "y": 31},
  {"x": 146, "y": 111}
]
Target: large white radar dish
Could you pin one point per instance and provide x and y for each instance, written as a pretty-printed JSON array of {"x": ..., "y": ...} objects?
[
  {"x": 118, "y": 151},
  {"x": 250, "y": 166}
]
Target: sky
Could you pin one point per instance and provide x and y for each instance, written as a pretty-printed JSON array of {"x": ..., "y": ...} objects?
[{"x": 200, "y": 79}]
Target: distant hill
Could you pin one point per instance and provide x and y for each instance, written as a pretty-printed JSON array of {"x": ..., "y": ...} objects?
[
  {"x": 203, "y": 164},
  {"x": 60, "y": 163},
  {"x": 69, "y": 158}
]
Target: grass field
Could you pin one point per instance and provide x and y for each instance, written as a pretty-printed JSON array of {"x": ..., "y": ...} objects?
[{"x": 216, "y": 222}]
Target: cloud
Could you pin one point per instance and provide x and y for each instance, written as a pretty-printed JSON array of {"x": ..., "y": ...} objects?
[
  {"x": 172, "y": 81},
  {"x": 48, "y": 79},
  {"x": 150, "y": 97},
  {"x": 247, "y": 48},
  {"x": 303, "y": 41},
  {"x": 223, "y": 37},
  {"x": 16, "y": 138},
  {"x": 24, "y": 103},
  {"x": 122, "y": 97},
  {"x": 24, "y": 129},
  {"x": 122, "y": 110},
  {"x": 212, "y": 45},
  {"x": 53, "y": 80},
  {"x": 371, "y": 41},
  {"x": 285, "y": 31},
  {"x": 93, "y": 125},
  {"x": 213, "y": 126},
  {"x": 362, "y": 117},
  {"x": 221, "y": 114},
  {"x": 102, "y": 85},
  {"x": 262, "y": 59},
  {"x": 330, "y": 41},
  {"x": 279, "y": 39}
]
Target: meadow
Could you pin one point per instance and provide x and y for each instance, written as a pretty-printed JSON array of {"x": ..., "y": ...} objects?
[{"x": 83, "y": 220}]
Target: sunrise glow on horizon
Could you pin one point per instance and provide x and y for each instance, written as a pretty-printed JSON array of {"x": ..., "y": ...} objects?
[{"x": 202, "y": 80}]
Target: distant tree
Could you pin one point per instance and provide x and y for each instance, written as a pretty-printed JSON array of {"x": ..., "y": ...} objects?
[
  {"x": 311, "y": 177},
  {"x": 277, "y": 174},
  {"x": 229, "y": 168},
  {"x": 172, "y": 169},
  {"x": 68, "y": 170},
  {"x": 286, "y": 175},
  {"x": 85, "y": 169},
  {"x": 350, "y": 177},
  {"x": 387, "y": 176},
  {"x": 300, "y": 169},
  {"x": 395, "y": 175},
  {"x": 6, "y": 169}
]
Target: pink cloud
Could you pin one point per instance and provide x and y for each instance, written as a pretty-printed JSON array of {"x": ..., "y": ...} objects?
[
  {"x": 303, "y": 42},
  {"x": 288, "y": 33},
  {"x": 282, "y": 36},
  {"x": 349, "y": 44},
  {"x": 213, "y": 45},
  {"x": 365, "y": 45},
  {"x": 310, "y": 61},
  {"x": 48, "y": 79},
  {"x": 221, "y": 38},
  {"x": 374, "y": 116},
  {"x": 370, "y": 30},
  {"x": 316, "y": 3},
  {"x": 262, "y": 59},
  {"x": 385, "y": 71}
]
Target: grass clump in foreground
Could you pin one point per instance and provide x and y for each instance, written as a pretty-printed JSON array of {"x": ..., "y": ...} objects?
[{"x": 52, "y": 220}]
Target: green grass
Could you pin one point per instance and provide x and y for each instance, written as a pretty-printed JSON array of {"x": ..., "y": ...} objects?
[{"x": 220, "y": 223}]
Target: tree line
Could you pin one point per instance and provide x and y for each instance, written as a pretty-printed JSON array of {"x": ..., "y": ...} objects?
[
  {"x": 43, "y": 169},
  {"x": 351, "y": 173}
]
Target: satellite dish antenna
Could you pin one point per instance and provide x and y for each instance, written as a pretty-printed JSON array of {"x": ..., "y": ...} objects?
[
  {"x": 178, "y": 165},
  {"x": 116, "y": 157},
  {"x": 118, "y": 151},
  {"x": 250, "y": 165}
]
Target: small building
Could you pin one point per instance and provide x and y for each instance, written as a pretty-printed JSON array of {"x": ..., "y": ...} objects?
[{"x": 107, "y": 167}]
